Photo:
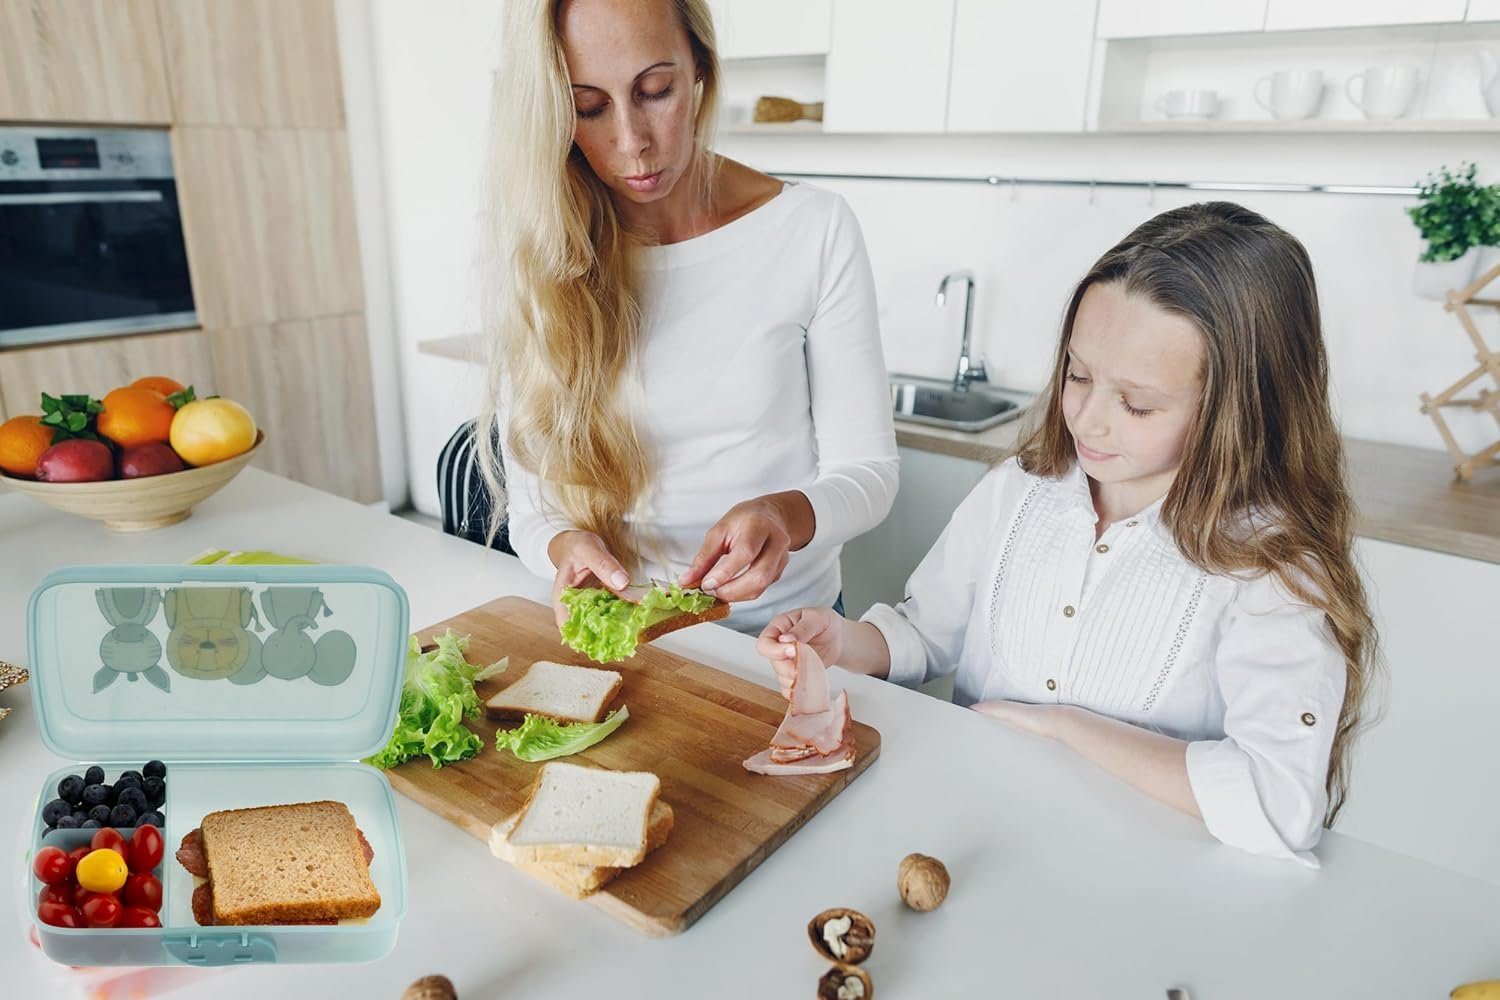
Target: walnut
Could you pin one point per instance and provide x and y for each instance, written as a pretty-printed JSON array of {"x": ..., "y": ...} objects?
[
  {"x": 431, "y": 988},
  {"x": 923, "y": 882},
  {"x": 841, "y": 935},
  {"x": 845, "y": 982}
]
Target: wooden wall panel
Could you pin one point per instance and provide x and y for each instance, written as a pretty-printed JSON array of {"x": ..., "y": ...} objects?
[
  {"x": 82, "y": 61},
  {"x": 253, "y": 62},
  {"x": 97, "y": 366},
  {"x": 308, "y": 382}
]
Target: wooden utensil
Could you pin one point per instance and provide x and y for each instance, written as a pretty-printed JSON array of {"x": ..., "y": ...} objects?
[
  {"x": 690, "y": 724},
  {"x": 784, "y": 109}
]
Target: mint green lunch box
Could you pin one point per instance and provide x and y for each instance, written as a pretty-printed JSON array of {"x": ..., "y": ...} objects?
[{"x": 255, "y": 686}]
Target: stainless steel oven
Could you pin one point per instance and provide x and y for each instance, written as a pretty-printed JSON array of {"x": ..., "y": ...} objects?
[{"x": 90, "y": 235}]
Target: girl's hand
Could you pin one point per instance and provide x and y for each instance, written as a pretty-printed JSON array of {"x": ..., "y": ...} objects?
[
  {"x": 747, "y": 550},
  {"x": 583, "y": 561},
  {"x": 1039, "y": 720},
  {"x": 820, "y": 628}
]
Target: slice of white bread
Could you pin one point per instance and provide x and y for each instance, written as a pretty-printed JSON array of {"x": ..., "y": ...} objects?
[
  {"x": 291, "y": 862},
  {"x": 714, "y": 612},
  {"x": 558, "y": 691},
  {"x": 585, "y": 816},
  {"x": 579, "y": 881}
]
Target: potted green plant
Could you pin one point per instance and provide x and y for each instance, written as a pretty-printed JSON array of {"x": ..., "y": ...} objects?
[{"x": 1457, "y": 216}]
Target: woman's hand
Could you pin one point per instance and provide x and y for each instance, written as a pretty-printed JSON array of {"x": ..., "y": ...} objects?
[
  {"x": 820, "y": 628},
  {"x": 1039, "y": 720},
  {"x": 747, "y": 550},
  {"x": 583, "y": 561}
]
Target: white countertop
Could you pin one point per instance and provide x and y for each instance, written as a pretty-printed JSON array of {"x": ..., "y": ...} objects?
[{"x": 1065, "y": 882}]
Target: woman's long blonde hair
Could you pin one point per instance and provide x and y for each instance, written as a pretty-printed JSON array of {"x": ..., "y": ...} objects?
[
  {"x": 562, "y": 313},
  {"x": 1264, "y": 444}
]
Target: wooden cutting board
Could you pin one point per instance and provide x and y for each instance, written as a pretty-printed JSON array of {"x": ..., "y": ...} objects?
[{"x": 690, "y": 724}]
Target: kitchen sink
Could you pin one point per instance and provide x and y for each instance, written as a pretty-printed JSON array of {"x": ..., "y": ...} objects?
[{"x": 936, "y": 403}]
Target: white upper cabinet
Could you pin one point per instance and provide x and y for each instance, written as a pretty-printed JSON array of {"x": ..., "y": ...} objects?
[
  {"x": 760, "y": 29},
  {"x": 1151, "y": 18},
  {"x": 888, "y": 66},
  {"x": 1020, "y": 65},
  {"x": 1292, "y": 15},
  {"x": 1484, "y": 10}
]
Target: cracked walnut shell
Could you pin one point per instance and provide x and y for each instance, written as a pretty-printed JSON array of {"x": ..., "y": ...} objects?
[
  {"x": 845, "y": 982},
  {"x": 841, "y": 935}
]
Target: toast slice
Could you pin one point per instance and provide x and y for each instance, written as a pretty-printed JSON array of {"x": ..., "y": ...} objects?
[
  {"x": 585, "y": 816},
  {"x": 281, "y": 863},
  {"x": 718, "y": 611},
  {"x": 558, "y": 691},
  {"x": 579, "y": 881}
]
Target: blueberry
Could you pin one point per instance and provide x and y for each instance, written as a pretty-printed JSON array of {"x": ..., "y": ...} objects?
[
  {"x": 114, "y": 792},
  {"x": 90, "y": 824},
  {"x": 95, "y": 795},
  {"x": 133, "y": 776},
  {"x": 154, "y": 769},
  {"x": 93, "y": 776},
  {"x": 100, "y": 813},
  {"x": 55, "y": 810},
  {"x": 71, "y": 789},
  {"x": 79, "y": 815},
  {"x": 66, "y": 823},
  {"x": 134, "y": 798},
  {"x": 122, "y": 815},
  {"x": 156, "y": 819},
  {"x": 156, "y": 791}
]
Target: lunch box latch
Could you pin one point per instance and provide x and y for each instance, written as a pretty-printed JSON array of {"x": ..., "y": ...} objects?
[{"x": 221, "y": 949}]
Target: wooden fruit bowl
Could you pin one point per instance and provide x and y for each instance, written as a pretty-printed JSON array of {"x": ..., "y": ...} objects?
[{"x": 138, "y": 504}]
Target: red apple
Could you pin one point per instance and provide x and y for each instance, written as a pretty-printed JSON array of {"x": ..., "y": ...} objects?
[
  {"x": 76, "y": 461},
  {"x": 152, "y": 459}
]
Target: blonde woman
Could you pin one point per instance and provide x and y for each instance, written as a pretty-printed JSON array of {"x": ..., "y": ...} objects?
[{"x": 687, "y": 382}]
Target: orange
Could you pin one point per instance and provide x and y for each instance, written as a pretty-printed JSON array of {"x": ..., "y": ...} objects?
[
  {"x": 22, "y": 441},
  {"x": 210, "y": 430},
  {"x": 135, "y": 416},
  {"x": 162, "y": 384}
]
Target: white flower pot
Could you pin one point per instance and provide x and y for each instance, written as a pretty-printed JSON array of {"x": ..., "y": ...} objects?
[{"x": 1433, "y": 280}]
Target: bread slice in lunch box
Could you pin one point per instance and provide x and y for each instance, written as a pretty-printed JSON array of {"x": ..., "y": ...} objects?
[
  {"x": 291, "y": 862},
  {"x": 558, "y": 691},
  {"x": 585, "y": 816},
  {"x": 715, "y": 612},
  {"x": 579, "y": 881}
]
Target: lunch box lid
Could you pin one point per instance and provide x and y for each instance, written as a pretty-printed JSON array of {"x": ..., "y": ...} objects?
[{"x": 205, "y": 663}]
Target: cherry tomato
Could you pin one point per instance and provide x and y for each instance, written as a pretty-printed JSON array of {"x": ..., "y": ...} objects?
[
  {"x": 56, "y": 894},
  {"x": 102, "y": 871},
  {"x": 79, "y": 853},
  {"x": 82, "y": 895},
  {"x": 101, "y": 911},
  {"x": 143, "y": 889},
  {"x": 146, "y": 848},
  {"x": 139, "y": 916},
  {"x": 59, "y": 915},
  {"x": 52, "y": 866},
  {"x": 110, "y": 838}
]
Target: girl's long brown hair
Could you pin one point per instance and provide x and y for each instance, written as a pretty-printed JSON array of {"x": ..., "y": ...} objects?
[{"x": 1261, "y": 486}]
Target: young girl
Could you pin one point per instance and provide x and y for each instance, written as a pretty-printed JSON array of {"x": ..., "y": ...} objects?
[{"x": 1162, "y": 578}]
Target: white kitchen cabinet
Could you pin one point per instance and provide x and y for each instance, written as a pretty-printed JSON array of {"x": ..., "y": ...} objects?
[
  {"x": 1483, "y": 10},
  {"x": 1150, "y": 18},
  {"x": 1020, "y": 66},
  {"x": 1295, "y": 15},
  {"x": 762, "y": 29},
  {"x": 888, "y": 66}
]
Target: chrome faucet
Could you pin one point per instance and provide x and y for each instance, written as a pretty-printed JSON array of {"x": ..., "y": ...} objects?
[{"x": 965, "y": 372}]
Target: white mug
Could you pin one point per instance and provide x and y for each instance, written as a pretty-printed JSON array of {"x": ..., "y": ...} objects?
[
  {"x": 1293, "y": 93},
  {"x": 1188, "y": 104},
  {"x": 1384, "y": 91}
]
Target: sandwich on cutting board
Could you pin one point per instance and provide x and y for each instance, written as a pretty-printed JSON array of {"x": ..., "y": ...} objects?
[
  {"x": 817, "y": 734},
  {"x": 559, "y": 691},
  {"x": 581, "y": 826}
]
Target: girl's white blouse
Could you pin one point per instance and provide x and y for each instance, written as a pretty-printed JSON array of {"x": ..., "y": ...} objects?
[{"x": 1023, "y": 603}]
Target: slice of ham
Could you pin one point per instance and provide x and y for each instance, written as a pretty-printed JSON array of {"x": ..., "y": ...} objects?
[
  {"x": 192, "y": 857},
  {"x": 815, "y": 735}
]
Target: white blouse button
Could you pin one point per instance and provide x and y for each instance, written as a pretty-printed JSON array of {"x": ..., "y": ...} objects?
[
  {"x": 1051, "y": 684},
  {"x": 1069, "y": 611},
  {"x": 1101, "y": 548},
  {"x": 1309, "y": 719}
]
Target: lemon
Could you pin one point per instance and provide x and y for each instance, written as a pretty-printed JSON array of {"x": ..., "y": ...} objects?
[
  {"x": 206, "y": 431},
  {"x": 1489, "y": 989},
  {"x": 102, "y": 871}
]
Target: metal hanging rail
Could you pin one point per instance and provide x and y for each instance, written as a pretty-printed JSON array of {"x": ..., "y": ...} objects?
[{"x": 1094, "y": 183}]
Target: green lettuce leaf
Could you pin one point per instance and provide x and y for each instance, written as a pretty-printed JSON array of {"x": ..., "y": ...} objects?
[
  {"x": 606, "y": 628},
  {"x": 540, "y": 738},
  {"x": 437, "y": 695}
]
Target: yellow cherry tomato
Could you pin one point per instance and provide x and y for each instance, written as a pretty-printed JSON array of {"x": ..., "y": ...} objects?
[{"x": 102, "y": 871}]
